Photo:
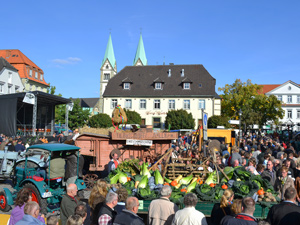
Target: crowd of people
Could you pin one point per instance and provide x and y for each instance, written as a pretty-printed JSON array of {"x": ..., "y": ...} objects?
[{"x": 261, "y": 154}]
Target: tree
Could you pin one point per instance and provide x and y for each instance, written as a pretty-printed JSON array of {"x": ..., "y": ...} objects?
[
  {"x": 215, "y": 121},
  {"x": 179, "y": 119},
  {"x": 133, "y": 117},
  {"x": 100, "y": 120},
  {"x": 256, "y": 107},
  {"x": 51, "y": 89},
  {"x": 78, "y": 116}
]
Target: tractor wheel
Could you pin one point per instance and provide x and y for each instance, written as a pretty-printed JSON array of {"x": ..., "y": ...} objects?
[
  {"x": 3, "y": 202},
  {"x": 90, "y": 180},
  {"x": 36, "y": 197}
]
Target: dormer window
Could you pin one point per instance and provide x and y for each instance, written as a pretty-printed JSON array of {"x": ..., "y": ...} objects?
[
  {"x": 126, "y": 85},
  {"x": 186, "y": 85},
  {"x": 158, "y": 86}
]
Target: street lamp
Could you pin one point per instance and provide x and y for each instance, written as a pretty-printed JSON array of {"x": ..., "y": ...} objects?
[{"x": 240, "y": 115}]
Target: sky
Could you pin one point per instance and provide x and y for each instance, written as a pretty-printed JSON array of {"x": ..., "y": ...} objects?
[{"x": 232, "y": 39}]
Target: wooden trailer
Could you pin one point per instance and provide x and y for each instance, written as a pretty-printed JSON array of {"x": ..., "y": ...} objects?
[{"x": 97, "y": 148}]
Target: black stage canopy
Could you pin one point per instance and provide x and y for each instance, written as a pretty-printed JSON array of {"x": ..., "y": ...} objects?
[{"x": 17, "y": 116}]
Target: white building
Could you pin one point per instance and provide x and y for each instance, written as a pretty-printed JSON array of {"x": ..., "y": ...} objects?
[
  {"x": 289, "y": 94},
  {"x": 10, "y": 81},
  {"x": 154, "y": 90}
]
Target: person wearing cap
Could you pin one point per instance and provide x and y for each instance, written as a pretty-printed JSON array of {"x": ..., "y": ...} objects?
[{"x": 19, "y": 146}]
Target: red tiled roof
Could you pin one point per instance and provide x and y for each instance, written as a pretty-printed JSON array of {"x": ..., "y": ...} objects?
[
  {"x": 268, "y": 87},
  {"x": 20, "y": 61}
]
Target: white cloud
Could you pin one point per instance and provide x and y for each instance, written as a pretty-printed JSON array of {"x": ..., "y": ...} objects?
[{"x": 69, "y": 60}]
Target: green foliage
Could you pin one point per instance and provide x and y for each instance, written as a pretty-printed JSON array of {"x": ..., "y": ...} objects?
[
  {"x": 179, "y": 119},
  {"x": 133, "y": 117},
  {"x": 78, "y": 116},
  {"x": 215, "y": 121},
  {"x": 100, "y": 120},
  {"x": 51, "y": 89},
  {"x": 256, "y": 107}
]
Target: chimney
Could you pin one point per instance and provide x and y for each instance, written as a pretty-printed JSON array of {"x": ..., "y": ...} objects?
[
  {"x": 169, "y": 73},
  {"x": 182, "y": 73}
]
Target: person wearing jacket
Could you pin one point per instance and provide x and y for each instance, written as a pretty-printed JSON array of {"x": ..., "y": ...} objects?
[
  {"x": 107, "y": 214},
  {"x": 269, "y": 174},
  {"x": 24, "y": 196},
  {"x": 162, "y": 210},
  {"x": 129, "y": 215},
  {"x": 222, "y": 209},
  {"x": 287, "y": 210},
  {"x": 283, "y": 182},
  {"x": 68, "y": 203},
  {"x": 246, "y": 217},
  {"x": 31, "y": 210}
]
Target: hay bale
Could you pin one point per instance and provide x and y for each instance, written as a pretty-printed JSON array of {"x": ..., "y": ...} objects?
[{"x": 104, "y": 131}]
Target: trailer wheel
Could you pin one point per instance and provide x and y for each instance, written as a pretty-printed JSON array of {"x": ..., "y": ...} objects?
[
  {"x": 90, "y": 180},
  {"x": 36, "y": 197},
  {"x": 3, "y": 202}
]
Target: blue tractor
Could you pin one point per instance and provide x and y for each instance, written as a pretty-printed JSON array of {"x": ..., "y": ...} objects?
[{"x": 26, "y": 172}]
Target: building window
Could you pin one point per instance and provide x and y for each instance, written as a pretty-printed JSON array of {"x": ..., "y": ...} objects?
[
  {"x": 114, "y": 103},
  {"x": 186, "y": 104},
  {"x": 158, "y": 86},
  {"x": 201, "y": 104},
  {"x": 30, "y": 87},
  {"x": 171, "y": 104},
  {"x": 106, "y": 76},
  {"x": 128, "y": 103},
  {"x": 9, "y": 89},
  {"x": 289, "y": 114},
  {"x": 156, "y": 104},
  {"x": 279, "y": 97},
  {"x": 30, "y": 72},
  {"x": 17, "y": 89},
  {"x": 298, "y": 114},
  {"x": 41, "y": 76},
  {"x": 298, "y": 98},
  {"x": 156, "y": 123},
  {"x": 143, "y": 104},
  {"x": 289, "y": 100},
  {"x": 36, "y": 75},
  {"x": 9, "y": 77},
  {"x": 1, "y": 87},
  {"x": 186, "y": 86},
  {"x": 127, "y": 86}
]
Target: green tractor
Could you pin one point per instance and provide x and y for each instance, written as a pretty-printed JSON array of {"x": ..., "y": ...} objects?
[{"x": 27, "y": 174}]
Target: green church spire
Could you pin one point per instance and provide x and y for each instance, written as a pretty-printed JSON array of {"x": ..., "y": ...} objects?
[
  {"x": 109, "y": 53},
  {"x": 140, "y": 53}
]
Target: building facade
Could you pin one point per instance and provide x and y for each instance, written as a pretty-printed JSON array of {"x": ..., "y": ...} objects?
[
  {"x": 31, "y": 75},
  {"x": 154, "y": 90},
  {"x": 289, "y": 94},
  {"x": 10, "y": 81}
]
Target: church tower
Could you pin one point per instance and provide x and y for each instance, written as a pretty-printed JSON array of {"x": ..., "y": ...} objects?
[
  {"x": 108, "y": 70},
  {"x": 140, "y": 55}
]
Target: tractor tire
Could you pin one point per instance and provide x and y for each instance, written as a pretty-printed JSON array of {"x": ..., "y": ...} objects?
[
  {"x": 3, "y": 202},
  {"x": 36, "y": 197}
]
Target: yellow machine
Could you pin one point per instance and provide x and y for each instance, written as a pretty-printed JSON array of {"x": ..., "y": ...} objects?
[{"x": 226, "y": 135}]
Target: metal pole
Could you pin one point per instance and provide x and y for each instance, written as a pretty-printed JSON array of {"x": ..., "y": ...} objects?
[
  {"x": 34, "y": 116},
  {"x": 67, "y": 120},
  {"x": 240, "y": 128}
]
